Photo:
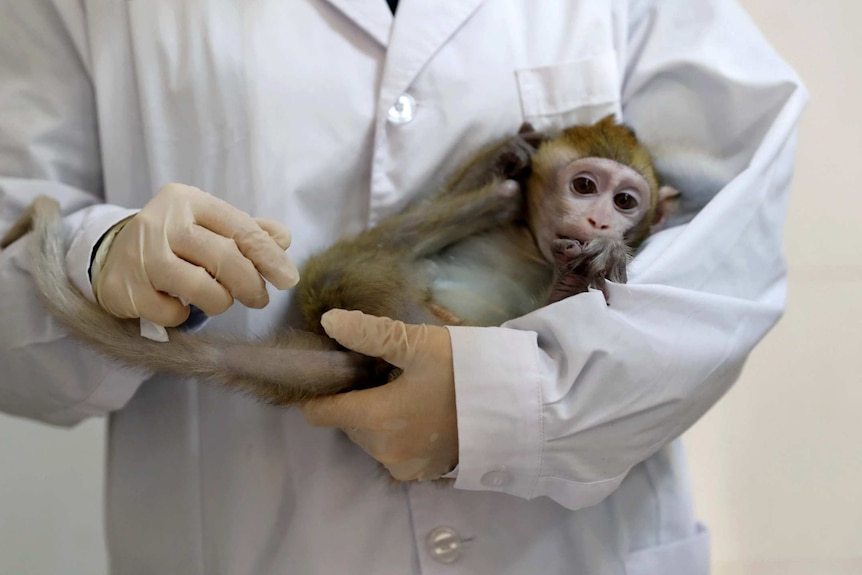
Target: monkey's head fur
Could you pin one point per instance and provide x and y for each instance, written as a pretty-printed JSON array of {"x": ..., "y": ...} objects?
[{"x": 610, "y": 140}]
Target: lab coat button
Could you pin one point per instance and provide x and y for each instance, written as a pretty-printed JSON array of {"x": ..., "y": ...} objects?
[
  {"x": 496, "y": 479},
  {"x": 403, "y": 110},
  {"x": 444, "y": 545}
]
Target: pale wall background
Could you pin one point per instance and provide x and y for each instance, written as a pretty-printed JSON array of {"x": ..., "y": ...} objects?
[{"x": 777, "y": 465}]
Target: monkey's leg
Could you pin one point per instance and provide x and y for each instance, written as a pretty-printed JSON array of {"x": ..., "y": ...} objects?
[
  {"x": 431, "y": 226},
  {"x": 508, "y": 159},
  {"x": 581, "y": 266},
  {"x": 485, "y": 193}
]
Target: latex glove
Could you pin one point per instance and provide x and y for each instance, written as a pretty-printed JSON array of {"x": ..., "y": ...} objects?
[
  {"x": 409, "y": 425},
  {"x": 186, "y": 246}
]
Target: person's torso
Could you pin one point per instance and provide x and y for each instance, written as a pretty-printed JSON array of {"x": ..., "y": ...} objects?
[{"x": 328, "y": 116}]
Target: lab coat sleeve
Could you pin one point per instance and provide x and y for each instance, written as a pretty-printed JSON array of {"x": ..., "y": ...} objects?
[
  {"x": 564, "y": 401},
  {"x": 49, "y": 145}
]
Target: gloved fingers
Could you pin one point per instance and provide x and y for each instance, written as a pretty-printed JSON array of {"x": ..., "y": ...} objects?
[
  {"x": 223, "y": 260},
  {"x": 124, "y": 299},
  {"x": 409, "y": 424},
  {"x": 268, "y": 257},
  {"x": 360, "y": 409},
  {"x": 160, "y": 308},
  {"x": 192, "y": 283},
  {"x": 277, "y": 231},
  {"x": 405, "y": 461},
  {"x": 373, "y": 443},
  {"x": 388, "y": 448},
  {"x": 374, "y": 336},
  {"x": 253, "y": 241},
  {"x": 414, "y": 469}
]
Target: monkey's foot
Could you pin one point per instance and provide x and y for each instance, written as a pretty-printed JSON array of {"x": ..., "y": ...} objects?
[
  {"x": 446, "y": 316},
  {"x": 515, "y": 157},
  {"x": 531, "y": 135}
]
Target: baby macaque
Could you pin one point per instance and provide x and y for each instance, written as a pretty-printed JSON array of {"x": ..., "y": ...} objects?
[{"x": 528, "y": 221}]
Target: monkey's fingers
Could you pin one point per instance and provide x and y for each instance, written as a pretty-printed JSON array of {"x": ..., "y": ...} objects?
[{"x": 568, "y": 253}]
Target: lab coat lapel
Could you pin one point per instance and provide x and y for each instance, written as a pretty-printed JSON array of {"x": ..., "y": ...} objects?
[
  {"x": 421, "y": 28},
  {"x": 373, "y": 16}
]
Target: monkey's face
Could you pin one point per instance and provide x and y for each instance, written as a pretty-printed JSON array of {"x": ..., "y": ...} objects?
[{"x": 585, "y": 199}]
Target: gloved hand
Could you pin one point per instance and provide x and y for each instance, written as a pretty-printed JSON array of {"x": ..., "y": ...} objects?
[
  {"x": 186, "y": 246},
  {"x": 409, "y": 425}
]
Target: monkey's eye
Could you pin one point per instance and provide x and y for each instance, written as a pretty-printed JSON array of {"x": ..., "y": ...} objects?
[
  {"x": 583, "y": 186},
  {"x": 625, "y": 201}
]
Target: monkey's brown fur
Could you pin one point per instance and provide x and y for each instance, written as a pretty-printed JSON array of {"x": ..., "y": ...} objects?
[{"x": 403, "y": 268}]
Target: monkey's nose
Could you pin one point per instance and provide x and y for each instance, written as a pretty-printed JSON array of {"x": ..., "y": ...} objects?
[{"x": 597, "y": 225}]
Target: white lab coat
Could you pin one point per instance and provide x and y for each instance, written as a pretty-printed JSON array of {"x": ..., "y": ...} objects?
[{"x": 566, "y": 417}]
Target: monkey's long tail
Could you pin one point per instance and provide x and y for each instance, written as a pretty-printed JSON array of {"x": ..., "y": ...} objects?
[{"x": 284, "y": 369}]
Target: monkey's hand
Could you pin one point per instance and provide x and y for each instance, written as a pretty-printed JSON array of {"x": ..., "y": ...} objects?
[
  {"x": 581, "y": 266},
  {"x": 186, "y": 246},
  {"x": 409, "y": 424}
]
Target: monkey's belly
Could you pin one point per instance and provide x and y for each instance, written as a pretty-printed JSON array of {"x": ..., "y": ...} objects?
[{"x": 488, "y": 279}]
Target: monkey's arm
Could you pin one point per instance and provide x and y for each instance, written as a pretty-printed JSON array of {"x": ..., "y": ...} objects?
[
  {"x": 568, "y": 400},
  {"x": 433, "y": 225},
  {"x": 484, "y": 193},
  {"x": 376, "y": 272},
  {"x": 510, "y": 158},
  {"x": 49, "y": 145}
]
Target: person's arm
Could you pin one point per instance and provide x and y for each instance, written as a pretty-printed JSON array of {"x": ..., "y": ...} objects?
[
  {"x": 49, "y": 145},
  {"x": 563, "y": 402},
  {"x": 184, "y": 246}
]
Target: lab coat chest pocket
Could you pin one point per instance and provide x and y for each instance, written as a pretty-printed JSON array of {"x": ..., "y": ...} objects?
[
  {"x": 577, "y": 92},
  {"x": 189, "y": 69},
  {"x": 689, "y": 556}
]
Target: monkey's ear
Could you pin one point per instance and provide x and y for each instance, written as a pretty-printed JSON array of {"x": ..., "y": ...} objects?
[{"x": 668, "y": 202}]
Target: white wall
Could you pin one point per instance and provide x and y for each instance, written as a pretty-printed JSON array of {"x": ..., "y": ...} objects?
[
  {"x": 777, "y": 464},
  {"x": 51, "y": 499}
]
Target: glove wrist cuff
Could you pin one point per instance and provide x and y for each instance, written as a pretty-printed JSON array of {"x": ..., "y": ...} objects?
[{"x": 100, "y": 254}]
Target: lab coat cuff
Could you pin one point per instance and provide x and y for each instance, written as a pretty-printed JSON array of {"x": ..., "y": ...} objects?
[
  {"x": 499, "y": 405},
  {"x": 112, "y": 394},
  {"x": 97, "y": 220}
]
